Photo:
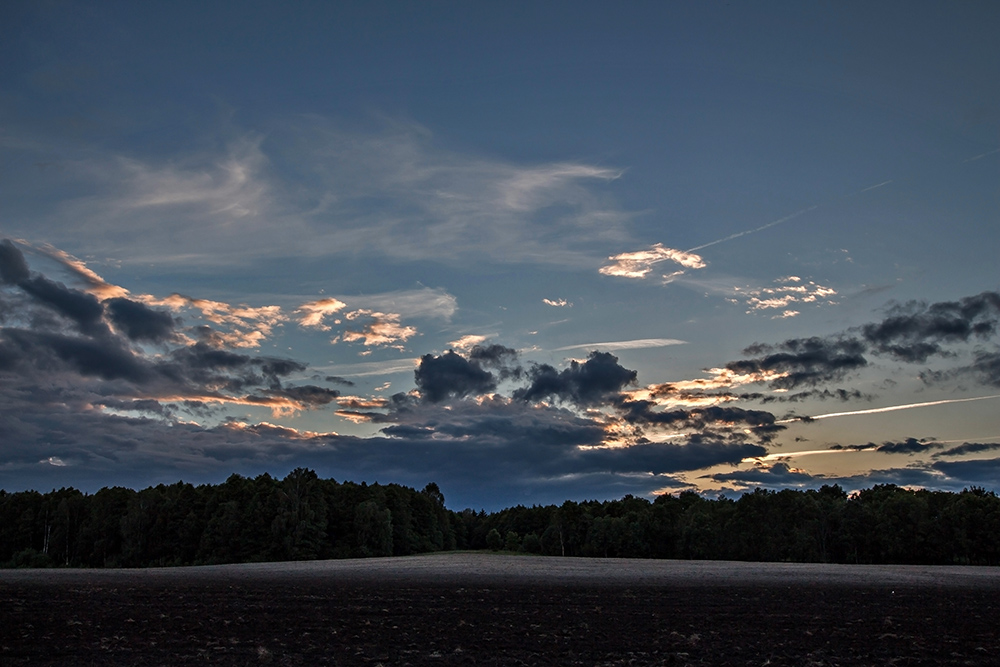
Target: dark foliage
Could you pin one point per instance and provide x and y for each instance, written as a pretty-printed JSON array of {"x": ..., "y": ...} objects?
[
  {"x": 304, "y": 517},
  {"x": 299, "y": 517},
  {"x": 884, "y": 524}
]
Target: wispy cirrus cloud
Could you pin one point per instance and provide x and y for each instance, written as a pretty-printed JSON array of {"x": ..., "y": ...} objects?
[
  {"x": 311, "y": 187},
  {"x": 638, "y": 344}
]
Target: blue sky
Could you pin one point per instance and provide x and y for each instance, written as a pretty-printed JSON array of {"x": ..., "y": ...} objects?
[{"x": 530, "y": 251}]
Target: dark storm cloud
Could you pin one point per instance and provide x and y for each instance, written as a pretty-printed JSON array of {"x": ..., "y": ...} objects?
[
  {"x": 909, "y": 446},
  {"x": 145, "y": 405},
  {"x": 103, "y": 357},
  {"x": 911, "y": 333},
  {"x": 972, "y": 473},
  {"x": 969, "y": 448},
  {"x": 593, "y": 382},
  {"x": 855, "y": 448},
  {"x": 639, "y": 411},
  {"x": 307, "y": 395},
  {"x": 803, "y": 361},
  {"x": 781, "y": 475},
  {"x": 488, "y": 452},
  {"x": 760, "y": 422},
  {"x": 777, "y": 475},
  {"x": 987, "y": 368},
  {"x": 495, "y": 422},
  {"x": 69, "y": 339},
  {"x": 914, "y": 331},
  {"x": 140, "y": 322},
  {"x": 204, "y": 365},
  {"x": 500, "y": 358},
  {"x": 451, "y": 376},
  {"x": 13, "y": 268},
  {"x": 660, "y": 458},
  {"x": 81, "y": 308},
  {"x": 843, "y": 395}
]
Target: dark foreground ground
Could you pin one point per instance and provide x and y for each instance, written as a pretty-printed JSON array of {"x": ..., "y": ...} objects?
[{"x": 481, "y": 610}]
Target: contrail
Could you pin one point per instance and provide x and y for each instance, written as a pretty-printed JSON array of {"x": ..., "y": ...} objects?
[
  {"x": 981, "y": 156},
  {"x": 813, "y": 208},
  {"x": 808, "y": 452},
  {"x": 784, "y": 219},
  {"x": 757, "y": 229},
  {"x": 876, "y": 186},
  {"x": 891, "y": 408}
]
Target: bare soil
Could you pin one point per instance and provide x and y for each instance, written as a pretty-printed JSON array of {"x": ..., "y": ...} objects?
[{"x": 474, "y": 609}]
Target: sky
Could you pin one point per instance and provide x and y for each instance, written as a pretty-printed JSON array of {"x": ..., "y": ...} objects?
[{"x": 530, "y": 251}]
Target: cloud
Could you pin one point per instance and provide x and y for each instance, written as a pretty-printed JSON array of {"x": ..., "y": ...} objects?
[
  {"x": 62, "y": 337},
  {"x": 639, "y": 263},
  {"x": 914, "y": 331},
  {"x": 92, "y": 283},
  {"x": 308, "y": 186},
  {"x": 140, "y": 322},
  {"x": 382, "y": 330},
  {"x": 910, "y": 446},
  {"x": 499, "y": 358},
  {"x": 778, "y": 475},
  {"x": 314, "y": 312},
  {"x": 425, "y": 302},
  {"x": 467, "y": 342},
  {"x": 969, "y": 448},
  {"x": 589, "y": 383},
  {"x": 786, "y": 292},
  {"x": 557, "y": 303},
  {"x": 371, "y": 368},
  {"x": 639, "y": 344},
  {"x": 13, "y": 267},
  {"x": 803, "y": 361},
  {"x": 248, "y": 326},
  {"x": 699, "y": 418},
  {"x": 451, "y": 375}
]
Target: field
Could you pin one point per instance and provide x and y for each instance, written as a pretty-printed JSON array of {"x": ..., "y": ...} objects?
[{"x": 474, "y": 609}]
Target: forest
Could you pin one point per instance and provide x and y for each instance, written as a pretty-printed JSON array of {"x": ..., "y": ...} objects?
[{"x": 304, "y": 517}]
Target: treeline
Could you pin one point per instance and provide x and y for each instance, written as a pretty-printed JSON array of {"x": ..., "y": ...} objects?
[
  {"x": 883, "y": 524},
  {"x": 304, "y": 517},
  {"x": 300, "y": 517}
]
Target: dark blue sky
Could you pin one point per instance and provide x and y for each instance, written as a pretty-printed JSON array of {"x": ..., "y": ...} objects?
[{"x": 245, "y": 236}]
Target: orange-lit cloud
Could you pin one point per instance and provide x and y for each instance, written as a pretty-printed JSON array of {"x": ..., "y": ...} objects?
[
  {"x": 384, "y": 330},
  {"x": 313, "y": 313},
  {"x": 249, "y": 325},
  {"x": 638, "y": 264},
  {"x": 467, "y": 342},
  {"x": 361, "y": 403},
  {"x": 686, "y": 392},
  {"x": 784, "y": 293},
  {"x": 266, "y": 428},
  {"x": 93, "y": 283},
  {"x": 280, "y": 406}
]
